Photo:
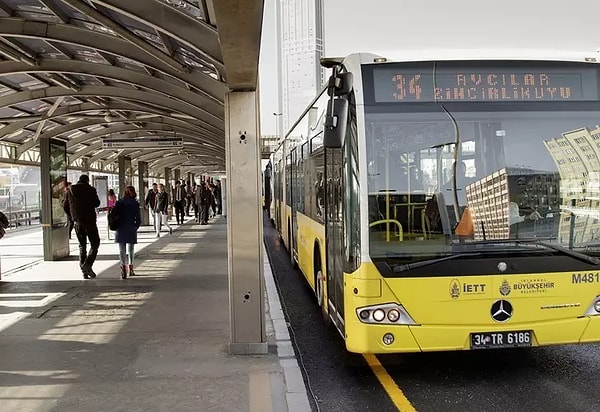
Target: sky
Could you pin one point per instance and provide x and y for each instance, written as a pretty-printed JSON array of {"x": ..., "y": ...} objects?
[{"x": 381, "y": 26}]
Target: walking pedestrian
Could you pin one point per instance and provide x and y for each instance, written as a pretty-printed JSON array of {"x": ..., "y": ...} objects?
[
  {"x": 70, "y": 221},
  {"x": 112, "y": 199},
  {"x": 161, "y": 210},
  {"x": 150, "y": 202},
  {"x": 81, "y": 203},
  {"x": 130, "y": 219},
  {"x": 206, "y": 199},
  {"x": 218, "y": 197},
  {"x": 198, "y": 202},
  {"x": 189, "y": 192},
  {"x": 179, "y": 202}
]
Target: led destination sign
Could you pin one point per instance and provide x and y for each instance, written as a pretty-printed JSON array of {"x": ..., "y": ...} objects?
[{"x": 406, "y": 84}]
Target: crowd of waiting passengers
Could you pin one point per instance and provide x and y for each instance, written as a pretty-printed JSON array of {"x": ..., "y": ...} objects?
[{"x": 204, "y": 199}]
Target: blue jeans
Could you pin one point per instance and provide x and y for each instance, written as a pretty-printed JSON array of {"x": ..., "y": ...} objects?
[{"x": 123, "y": 254}]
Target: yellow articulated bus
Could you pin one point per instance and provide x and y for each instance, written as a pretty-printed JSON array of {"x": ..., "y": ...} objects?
[{"x": 448, "y": 204}]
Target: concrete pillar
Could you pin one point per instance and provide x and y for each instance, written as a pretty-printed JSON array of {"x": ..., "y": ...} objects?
[
  {"x": 125, "y": 174},
  {"x": 244, "y": 232},
  {"x": 142, "y": 190}
]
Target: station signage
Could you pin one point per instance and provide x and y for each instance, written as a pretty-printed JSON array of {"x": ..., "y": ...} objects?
[{"x": 143, "y": 143}]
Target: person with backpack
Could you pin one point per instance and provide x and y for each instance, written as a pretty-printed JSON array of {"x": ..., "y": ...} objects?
[{"x": 129, "y": 222}]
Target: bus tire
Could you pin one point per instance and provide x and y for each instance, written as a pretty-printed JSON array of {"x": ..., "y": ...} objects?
[
  {"x": 320, "y": 292},
  {"x": 320, "y": 288}
]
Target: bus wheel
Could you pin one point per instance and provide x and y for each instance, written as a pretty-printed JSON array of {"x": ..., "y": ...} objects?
[{"x": 320, "y": 292}]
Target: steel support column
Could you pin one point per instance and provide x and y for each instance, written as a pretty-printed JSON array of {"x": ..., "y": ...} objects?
[
  {"x": 142, "y": 190},
  {"x": 168, "y": 181},
  {"x": 168, "y": 190},
  {"x": 125, "y": 174},
  {"x": 244, "y": 232}
]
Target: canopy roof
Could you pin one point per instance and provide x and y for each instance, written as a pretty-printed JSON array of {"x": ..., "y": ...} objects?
[{"x": 84, "y": 71}]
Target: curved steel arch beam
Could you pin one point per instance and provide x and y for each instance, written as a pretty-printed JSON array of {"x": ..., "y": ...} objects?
[
  {"x": 151, "y": 126},
  {"x": 172, "y": 160},
  {"x": 194, "y": 33},
  {"x": 209, "y": 111},
  {"x": 107, "y": 91},
  {"x": 75, "y": 109},
  {"x": 126, "y": 128},
  {"x": 121, "y": 129},
  {"x": 195, "y": 152},
  {"x": 144, "y": 133},
  {"x": 121, "y": 30},
  {"x": 57, "y": 131},
  {"x": 194, "y": 148},
  {"x": 106, "y": 154},
  {"x": 70, "y": 34}
]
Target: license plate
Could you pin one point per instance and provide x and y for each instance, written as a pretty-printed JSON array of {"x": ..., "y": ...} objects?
[{"x": 489, "y": 340}]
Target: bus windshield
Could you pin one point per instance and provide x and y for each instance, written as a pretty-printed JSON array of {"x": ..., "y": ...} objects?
[{"x": 459, "y": 156}]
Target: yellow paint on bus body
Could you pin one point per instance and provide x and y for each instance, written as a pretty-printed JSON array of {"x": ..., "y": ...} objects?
[{"x": 447, "y": 310}]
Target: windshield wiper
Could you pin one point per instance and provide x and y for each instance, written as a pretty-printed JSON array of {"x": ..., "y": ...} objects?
[
  {"x": 409, "y": 266},
  {"x": 555, "y": 247},
  {"x": 566, "y": 251}
]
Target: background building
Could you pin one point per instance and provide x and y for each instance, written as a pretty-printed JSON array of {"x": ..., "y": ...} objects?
[
  {"x": 528, "y": 191},
  {"x": 300, "y": 32},
  {"x": 577, "y": 156}
]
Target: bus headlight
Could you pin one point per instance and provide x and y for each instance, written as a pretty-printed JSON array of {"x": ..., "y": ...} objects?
[
  {"x": 594, "y": 307},
  {"x": 393, "y": 315},
  {"x": 387, "y": 313},
  {"x": 378, "y": 315}
]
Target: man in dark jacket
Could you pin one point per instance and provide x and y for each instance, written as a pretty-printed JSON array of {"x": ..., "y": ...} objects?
[
  {"x": 150, "y": 201},
  {"x": 179, "y": 196},
  {"x": 80, "y": 204}
]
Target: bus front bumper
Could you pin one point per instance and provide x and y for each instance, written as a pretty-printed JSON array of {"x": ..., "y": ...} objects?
[{"x": 370, "y": 338}]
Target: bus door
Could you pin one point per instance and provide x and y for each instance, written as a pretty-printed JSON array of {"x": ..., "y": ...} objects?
[
  {"x": 293, "y": 202},
  {"x": 333, "y": 235}
]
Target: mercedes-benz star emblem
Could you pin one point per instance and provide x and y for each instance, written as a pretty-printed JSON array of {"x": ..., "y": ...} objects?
[{"x": 501, "y": 311}]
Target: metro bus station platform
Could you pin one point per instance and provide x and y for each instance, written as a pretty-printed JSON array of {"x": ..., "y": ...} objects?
[{"x": 154, "y": 342}]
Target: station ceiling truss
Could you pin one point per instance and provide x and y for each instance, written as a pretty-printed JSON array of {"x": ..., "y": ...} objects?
[{"x": 84, "y": 71}]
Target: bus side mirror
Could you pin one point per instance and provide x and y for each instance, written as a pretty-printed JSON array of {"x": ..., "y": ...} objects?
[
  {"x": 340, "y": 84},
  {"x": 335, "y": 123}
]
